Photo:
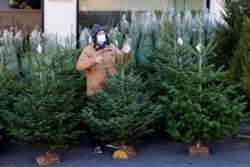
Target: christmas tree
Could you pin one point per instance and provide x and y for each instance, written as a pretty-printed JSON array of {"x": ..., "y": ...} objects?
[
  {"x": 3, "y": 103},
  {"x": 239, "y": 65},
  {"x": 227, "y": 33},
  {"x": 200, "y": 105},
  {"x": 7, "y": 92},
  {"x": 45, "y": 112},
  {"x": 123, "y": 112}
]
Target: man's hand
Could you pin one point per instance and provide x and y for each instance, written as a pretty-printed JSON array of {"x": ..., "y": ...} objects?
[{"x": 98, "y": 59}]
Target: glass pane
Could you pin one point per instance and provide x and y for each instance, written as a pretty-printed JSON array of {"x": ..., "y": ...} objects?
[
  {"x": 114, "y": 5},
  {"x": 195, "y": 5},
  {"x": 110, "y": 12}
]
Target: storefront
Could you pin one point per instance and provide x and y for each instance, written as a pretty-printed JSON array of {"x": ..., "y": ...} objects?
[
  {"x": 110, "y": 12},
  {"x": 67, "y": 17}
]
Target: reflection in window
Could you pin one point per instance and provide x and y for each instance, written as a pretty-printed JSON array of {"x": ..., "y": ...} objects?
[
  {"x": 109, "y": 12},
  {"x": 143, "y": 22}
]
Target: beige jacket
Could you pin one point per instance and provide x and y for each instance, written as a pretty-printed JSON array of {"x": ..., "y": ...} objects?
[{"x": 97, "y": 73}]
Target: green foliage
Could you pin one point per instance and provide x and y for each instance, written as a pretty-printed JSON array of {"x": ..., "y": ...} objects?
[
  {"x": 7, "y": 92},
  {"x": 45, "y": 112},
  {"x": 203, "y": 106},
  {"x": 3, "y": 94},
  {"x": 1, "y": 126},
  {"x": 227, "y": 34},
  {"x": 212, "y": 113},
  {"x": 3, "y": 103},
  {"x": 123, "y": 112},
  {"x": 167, "y": 53},
  {"x": 239, "y": 66},
  {"x": 197, "y": 101}
]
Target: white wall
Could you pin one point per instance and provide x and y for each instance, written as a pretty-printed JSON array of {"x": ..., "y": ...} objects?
[
  {"x": 60, "y": 17},
  {"x": 215, "y": 10}
]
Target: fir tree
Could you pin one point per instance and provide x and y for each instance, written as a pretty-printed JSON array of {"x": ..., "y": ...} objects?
[
  {"x": 1, "y": 126},
  {"x": 170, "y": 51},
  {"x": 198, "y": 103},
  {"x": 239, "y": 66},
  {"x": 202, "y": 105},
  {"x": 123, "y": 112},
  {"x": 227, "y": 33},
  {"x": 45, "y": 111},
  {"x": 3, "y": 103},
  {"x": 7, "y": 92}
]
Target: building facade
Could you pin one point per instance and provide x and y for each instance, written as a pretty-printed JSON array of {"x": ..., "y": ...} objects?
[{"x": 68, "y": 17}]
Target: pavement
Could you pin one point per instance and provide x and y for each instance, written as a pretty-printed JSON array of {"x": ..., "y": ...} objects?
[{"x": 157, "y": 150}]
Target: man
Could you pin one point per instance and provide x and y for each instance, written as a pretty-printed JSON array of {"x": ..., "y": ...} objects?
[{"x": 98, "y": 59}]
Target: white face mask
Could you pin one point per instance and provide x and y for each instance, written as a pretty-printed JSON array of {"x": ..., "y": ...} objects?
[{"x": 101, "y": 39}]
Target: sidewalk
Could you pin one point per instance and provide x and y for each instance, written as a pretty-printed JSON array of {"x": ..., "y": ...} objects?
[{"x": 157, "y": 150}]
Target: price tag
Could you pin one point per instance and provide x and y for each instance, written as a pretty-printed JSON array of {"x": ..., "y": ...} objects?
[
  {"x": 126, "y": 48},
  {"x": 199, "y": 47},
  {"x": 39, "y": 48},
  {"x": 180, "y": 41}
]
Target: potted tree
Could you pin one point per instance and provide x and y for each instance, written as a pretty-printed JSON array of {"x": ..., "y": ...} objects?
[
  {"x": 125, "y": 114},
  {"x": 203, "y": 106},
  {"x": 45, "y": 110},
  {"x": 199, "y": 104}
]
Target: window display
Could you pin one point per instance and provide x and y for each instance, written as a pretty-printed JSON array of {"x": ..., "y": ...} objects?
[{"x": 111, "y": 12}]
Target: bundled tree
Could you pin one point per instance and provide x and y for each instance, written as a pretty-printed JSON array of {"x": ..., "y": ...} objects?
[
  {"x": 8, "y": 57},
  {"x": 143, "y": 32},
  {"x": 123, "y": 112}
]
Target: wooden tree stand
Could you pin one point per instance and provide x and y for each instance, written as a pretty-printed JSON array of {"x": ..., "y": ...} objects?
[
  {"x": 198, "y": 150},
  {"x": 125, "y": 152},
  {"x": 202, "y": 151},
  {"x": 48, "y": 159}
]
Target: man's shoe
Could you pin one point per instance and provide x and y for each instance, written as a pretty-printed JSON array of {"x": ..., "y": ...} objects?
[
  {"x": 113, "y": 145},
  {"x": 97, "y": 150}
]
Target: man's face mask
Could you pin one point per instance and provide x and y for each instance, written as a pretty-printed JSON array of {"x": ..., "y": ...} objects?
[{"x": 101, "y": 39}]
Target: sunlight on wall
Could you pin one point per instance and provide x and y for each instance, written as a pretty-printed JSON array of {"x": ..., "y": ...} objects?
[{"x": 116, "y": 5}]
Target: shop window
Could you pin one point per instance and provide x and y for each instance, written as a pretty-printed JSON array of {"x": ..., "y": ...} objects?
[{"x": 110, "y": 12}]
